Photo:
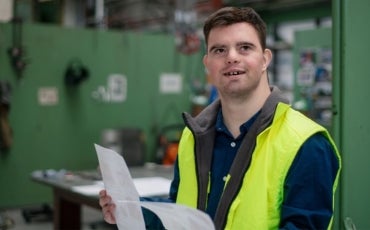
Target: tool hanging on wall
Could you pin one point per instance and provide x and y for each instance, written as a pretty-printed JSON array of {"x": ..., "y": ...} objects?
[
  {"x": 6, "y": 136},
  {"x": 75, "y": 73},
  {"x": 17, "y": 51}
]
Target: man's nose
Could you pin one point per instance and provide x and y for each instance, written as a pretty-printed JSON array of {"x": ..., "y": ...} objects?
[{"x": 232, "y": 56}]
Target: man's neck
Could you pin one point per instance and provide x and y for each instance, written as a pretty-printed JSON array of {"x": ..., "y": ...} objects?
[{"x": 237, "y": 111}]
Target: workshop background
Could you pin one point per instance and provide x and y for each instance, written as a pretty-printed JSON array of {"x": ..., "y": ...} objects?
[{"x": 69, "y": 70}]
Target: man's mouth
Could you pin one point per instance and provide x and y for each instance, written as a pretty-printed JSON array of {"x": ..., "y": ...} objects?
[{"x": 233, "y": 73}]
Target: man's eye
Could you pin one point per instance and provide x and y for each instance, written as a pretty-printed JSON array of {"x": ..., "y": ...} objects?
[
  {"x": 245, "y": 47},
  {"x": 219, "y": 50}
]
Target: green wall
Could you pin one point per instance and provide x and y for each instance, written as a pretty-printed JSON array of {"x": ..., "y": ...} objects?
[
  {"x": 351, "y": 50},
  {"x": 62, "y": 136}
]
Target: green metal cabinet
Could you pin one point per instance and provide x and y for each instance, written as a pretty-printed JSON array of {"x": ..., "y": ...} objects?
[{"x": 351, "y": 47}]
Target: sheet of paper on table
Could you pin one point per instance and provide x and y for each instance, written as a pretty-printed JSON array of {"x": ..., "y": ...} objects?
[
  {"x": 121, "y": 187},
  {"x": 146, "y": 186}
]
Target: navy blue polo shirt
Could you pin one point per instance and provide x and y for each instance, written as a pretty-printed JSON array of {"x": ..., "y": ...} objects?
[{"x": 225, "y": 149}]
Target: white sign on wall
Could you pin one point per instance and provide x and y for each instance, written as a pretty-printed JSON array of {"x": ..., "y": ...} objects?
[
  {"x": 117, "y": 87},
  {"x": 114, "y": 91},
  {"x": 170, "y": 83},
  {"x": 48, "y": 96}
]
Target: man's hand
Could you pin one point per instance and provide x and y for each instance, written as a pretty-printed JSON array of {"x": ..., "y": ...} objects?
[{"x": 105, "y": 202}]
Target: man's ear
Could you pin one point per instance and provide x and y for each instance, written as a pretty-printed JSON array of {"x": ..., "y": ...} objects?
[
  {"x": 205, "y": 61},
  {"x": 267, "y": 56}
]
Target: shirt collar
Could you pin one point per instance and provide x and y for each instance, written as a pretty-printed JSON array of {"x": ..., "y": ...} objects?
[{"x": 221, "y": 127}]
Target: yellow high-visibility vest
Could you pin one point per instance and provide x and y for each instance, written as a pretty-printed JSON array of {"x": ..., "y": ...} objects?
[{"x": 258, "y": 202}]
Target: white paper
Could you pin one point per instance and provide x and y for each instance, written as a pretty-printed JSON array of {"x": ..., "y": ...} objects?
[
  {"x": 119, "y": 185},
  {"x": 152, "y": 186},
  {"x": 89, "y": 190},
  {"x": 121, "y": 188},
  {"x": 175, "y": 216},
  {"x": 145, "y": 186}
]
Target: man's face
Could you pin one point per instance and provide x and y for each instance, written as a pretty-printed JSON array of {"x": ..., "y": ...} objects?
[{"x": 235, "y": 60}]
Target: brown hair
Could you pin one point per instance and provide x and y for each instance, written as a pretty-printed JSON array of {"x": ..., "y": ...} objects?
[{"x": 231, "y": 15}]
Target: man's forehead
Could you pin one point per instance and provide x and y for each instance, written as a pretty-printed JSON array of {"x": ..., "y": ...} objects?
[{"x": 239, "y": 32}]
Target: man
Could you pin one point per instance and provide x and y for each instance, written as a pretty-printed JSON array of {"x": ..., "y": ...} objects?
[{"x": 249, "y": 160}]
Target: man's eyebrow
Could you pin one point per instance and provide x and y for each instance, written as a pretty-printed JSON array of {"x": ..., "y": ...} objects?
[
  {"x": 216, "y": 46},
  {"x": 246, "y": 44}
]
